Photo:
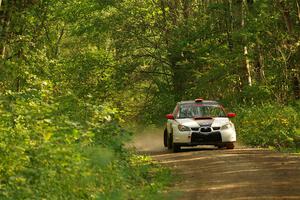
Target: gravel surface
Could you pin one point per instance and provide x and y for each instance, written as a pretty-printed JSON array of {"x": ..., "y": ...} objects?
[{"x": 243, "y": 173}]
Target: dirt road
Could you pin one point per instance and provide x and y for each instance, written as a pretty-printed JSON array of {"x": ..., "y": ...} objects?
[{"x": 242, "y": 173}]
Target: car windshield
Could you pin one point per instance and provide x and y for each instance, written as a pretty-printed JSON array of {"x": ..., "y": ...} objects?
[{"x": 200, "y": 110}]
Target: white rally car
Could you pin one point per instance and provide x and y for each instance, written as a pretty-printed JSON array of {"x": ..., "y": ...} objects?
[{"x": 199, "y": 122}]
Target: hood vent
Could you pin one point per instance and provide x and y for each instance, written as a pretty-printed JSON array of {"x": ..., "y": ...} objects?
[{"x": 206, "y": 122}]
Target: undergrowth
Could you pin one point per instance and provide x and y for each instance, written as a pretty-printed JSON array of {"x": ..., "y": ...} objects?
[
  {"x": 67, "y": 148},
  {"x": 270, "y": 126}
]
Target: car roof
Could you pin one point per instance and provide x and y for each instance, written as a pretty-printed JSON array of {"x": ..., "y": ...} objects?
[{"x": 202, "y": 102}]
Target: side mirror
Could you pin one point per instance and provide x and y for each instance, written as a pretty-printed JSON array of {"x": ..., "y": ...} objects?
[
  {"x": 170, "y": 116},
  {"x": 231, "y": 115}
]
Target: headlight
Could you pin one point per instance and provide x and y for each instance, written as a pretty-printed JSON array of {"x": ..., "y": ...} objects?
[
  {"x": 226, "y": 126},
  {"x": 183, "y": 128}
]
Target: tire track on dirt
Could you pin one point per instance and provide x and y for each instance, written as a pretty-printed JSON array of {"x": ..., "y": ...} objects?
[{"x": 234, "y": 174}]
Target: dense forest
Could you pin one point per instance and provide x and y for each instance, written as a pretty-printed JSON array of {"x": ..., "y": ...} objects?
[{"x": 75, "y": 74}]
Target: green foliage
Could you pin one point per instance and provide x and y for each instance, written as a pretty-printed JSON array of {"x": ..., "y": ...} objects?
[
  {"x": 268, "y": 126},
  {"x": 74, "y": 72},
  {"x": 50, "y": 153}
]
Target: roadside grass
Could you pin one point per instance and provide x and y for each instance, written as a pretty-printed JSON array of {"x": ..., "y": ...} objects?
[
  {"x": 148, "y": 140},
  {"x": 138, "y": 178},
  {"x": 163, "y": 181},
  {"x": 295, "y": 149},
  {"x": 156, "y": 178},
  {"x": 297, "y": 141}
]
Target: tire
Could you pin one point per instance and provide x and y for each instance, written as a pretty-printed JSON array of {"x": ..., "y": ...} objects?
[
  {"x": 165, "y": 138},
  {"x": 170, "y": 141},
  {"x": 230, "y": 146},
  {"x": 176, "y": 148}
]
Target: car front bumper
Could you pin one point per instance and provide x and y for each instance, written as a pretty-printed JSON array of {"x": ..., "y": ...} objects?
[{"x": 191, "y": 138}]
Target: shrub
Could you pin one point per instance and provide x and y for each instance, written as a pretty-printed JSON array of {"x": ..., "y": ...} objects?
[
  {"x": 67, "y": 148},
  {"x": 268, "y": 126}
]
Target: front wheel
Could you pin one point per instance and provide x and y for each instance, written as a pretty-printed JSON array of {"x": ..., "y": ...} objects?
[
  {"x": 170, "y": 141},
  {"x": 165, "y": 138},
  {"x": 230, "y": 146},
  {"x": 176, "y": 148},
  {"x": 220, "y": 146}
]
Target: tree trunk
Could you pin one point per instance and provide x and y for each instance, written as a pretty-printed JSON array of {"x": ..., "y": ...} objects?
[
  {"x": 166, "y": 31},
  {"x": 298, "y": 9},
  {"x": 296, "y": 87},
  {"x": 5, "y": 21},
  {"x": 173, "y": 5},
  {"x": 292, "y": 71},
  {"x": 286, "y": 16},
  {"x": 229, "y": 24},
  {"x": 247, "y": 60},
  {"x": 178, "y": 80},
  {"x": 259, "y": 64},
  {"x": 186, "y": 9},
  {"x": 258, "y": 59}
]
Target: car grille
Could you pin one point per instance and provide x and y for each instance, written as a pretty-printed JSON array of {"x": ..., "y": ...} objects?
[
  {"x": 202, "y": 138},
  {"x": 205, "y": 129}
]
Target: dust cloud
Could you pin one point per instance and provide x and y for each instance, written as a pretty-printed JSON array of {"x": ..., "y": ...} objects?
[{"x": 149, "y": 140}]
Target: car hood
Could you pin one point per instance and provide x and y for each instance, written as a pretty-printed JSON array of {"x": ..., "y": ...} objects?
[{"x": 215, "y": 122}]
